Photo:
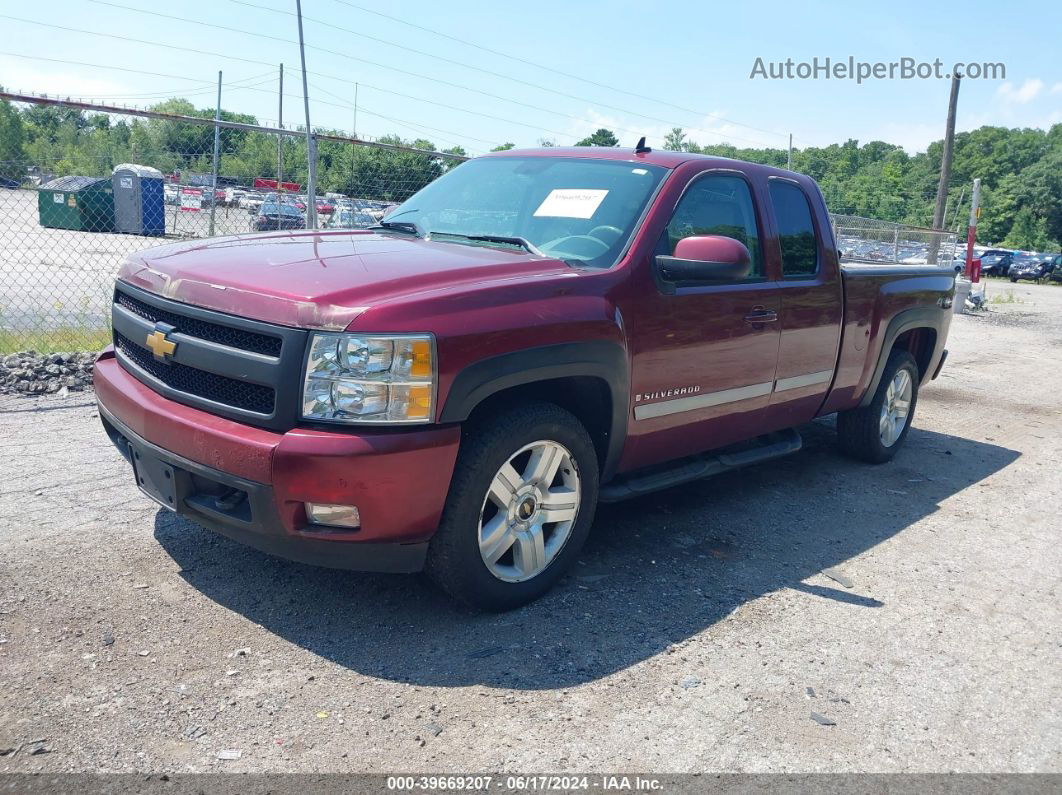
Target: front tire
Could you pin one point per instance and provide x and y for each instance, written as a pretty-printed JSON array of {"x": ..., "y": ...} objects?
[
  {"x": 520, "y": 506},
  {"x": 875, "y": 433}
]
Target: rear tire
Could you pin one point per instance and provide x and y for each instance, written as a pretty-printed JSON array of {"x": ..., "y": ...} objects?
[
  {"x": 520, "y": 506},
  {"x": 875, "y": 433}
]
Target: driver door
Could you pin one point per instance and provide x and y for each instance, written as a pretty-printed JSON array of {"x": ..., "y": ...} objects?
[{"x": 704, "y": 366}]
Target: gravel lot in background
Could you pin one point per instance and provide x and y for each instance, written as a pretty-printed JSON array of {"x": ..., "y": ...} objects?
[{"x": 697, "y": 632}]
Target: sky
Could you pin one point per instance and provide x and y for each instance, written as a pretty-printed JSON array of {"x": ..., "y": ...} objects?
[{"x": 480, "y": 74}]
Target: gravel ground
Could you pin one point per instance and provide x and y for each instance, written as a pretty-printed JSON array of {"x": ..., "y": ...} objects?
[{"x": 698, "y": 632}]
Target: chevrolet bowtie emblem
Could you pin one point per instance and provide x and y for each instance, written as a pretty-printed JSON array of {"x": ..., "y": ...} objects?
[{"x": 159, "y": 345}]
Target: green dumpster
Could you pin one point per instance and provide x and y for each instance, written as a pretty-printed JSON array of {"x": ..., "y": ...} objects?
[{"x": 83, "y": 203}]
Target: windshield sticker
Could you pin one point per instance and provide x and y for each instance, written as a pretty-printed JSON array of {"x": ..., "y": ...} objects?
[{"x": 571, "y": 203}]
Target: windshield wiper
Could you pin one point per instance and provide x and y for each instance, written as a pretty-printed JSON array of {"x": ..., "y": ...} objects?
[
  {"x": 522, "y": 242},
  {"x": 400, "y": 226}
]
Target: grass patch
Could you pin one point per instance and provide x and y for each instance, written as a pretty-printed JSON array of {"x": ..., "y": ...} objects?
[
  {"x": 63, "y": 339},
  {"x": 1006, "y": 298}
]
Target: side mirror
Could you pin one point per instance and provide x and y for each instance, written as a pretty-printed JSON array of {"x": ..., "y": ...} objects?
[{"x": 706, "y": 258}]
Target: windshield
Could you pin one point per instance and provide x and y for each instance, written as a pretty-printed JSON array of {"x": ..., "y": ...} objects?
[{"x": 581, "y": 211}]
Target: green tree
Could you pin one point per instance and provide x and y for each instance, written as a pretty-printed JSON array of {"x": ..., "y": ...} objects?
[
  {"x": 675, "y": 140},
  {"x": 12, "y": 155},
  {"x": 602, "y": 137},
  {"x": 1041, "y": 192}
]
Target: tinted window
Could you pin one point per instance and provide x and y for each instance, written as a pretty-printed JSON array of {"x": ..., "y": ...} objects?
[
  {"x": 717, "y": 205},
  {"x": 796, "y": 232}
]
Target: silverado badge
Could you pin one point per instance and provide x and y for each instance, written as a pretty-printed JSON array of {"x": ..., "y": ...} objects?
[{"x": 157, "y": 341}]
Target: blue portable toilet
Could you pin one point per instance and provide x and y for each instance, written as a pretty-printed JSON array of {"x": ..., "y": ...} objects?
[{"x": 139, "y": 200}]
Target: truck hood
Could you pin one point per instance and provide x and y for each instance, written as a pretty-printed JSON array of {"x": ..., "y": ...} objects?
[{"x": 321, "y": 280}]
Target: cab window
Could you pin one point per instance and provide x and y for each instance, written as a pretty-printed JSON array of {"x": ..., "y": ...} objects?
[
  {"x": 796, "y": 231},
  {"x": 717, "y": 204}
]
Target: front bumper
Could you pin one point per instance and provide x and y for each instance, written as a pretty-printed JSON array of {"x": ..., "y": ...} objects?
[{"x": 398, "y": 479}]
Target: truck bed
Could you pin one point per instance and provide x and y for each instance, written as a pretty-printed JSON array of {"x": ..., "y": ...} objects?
[{"x": 879, "y": 298}]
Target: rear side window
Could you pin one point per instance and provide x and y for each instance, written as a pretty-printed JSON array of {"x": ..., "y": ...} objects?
[
  {"x": 796, "y": 232},
  {"x": 717, "y": 204}
]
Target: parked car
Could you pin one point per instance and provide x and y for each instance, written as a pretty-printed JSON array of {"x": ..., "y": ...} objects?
[
  {"x": 350, "y": 219},
  {"x": 1030, "y": 268},
  {"x": 325, "y": 207},
  {"x": 252, "y": 202},
  {"x": 459, "y": 401},
  {"x": 1054, "y": 270},
  {"x": 996, "y": 262},
  {"x": 10, "y": 183},
  {"x": 276, "y": 216},
  {"x": 217, "y": 193}
]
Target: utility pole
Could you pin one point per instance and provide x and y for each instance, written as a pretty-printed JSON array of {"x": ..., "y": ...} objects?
[
  {"x": 353, "y": 134},
  {"x": 945, "y": 169},
  {"x": 311, "y": 144},
  {"x": 789, "y": 157},
  {"x": 958, "y": 210},
  {"x": 280, "y": 137},
  {"x": 217, "y": 152},
  {"x": 971, "y": 230}
]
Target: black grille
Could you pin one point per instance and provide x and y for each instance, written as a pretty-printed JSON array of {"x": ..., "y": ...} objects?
[
  {"x": 210, "y": 386},
  {"x": 223, "y": 335}
]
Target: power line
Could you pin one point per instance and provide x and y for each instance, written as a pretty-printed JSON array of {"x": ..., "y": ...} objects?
[
  {"x": 376, "y": 63},
  {"x": 176, "y": 47},
  {"x": 512, "y": 58},
  {"x": 179, "y": 93},
  {"x": 347, "y": 56},
  {"x": 344, "y": 80},
  {"x": 350, "y": 105},
  {"x": 236, "y": 84},
  {"x": 361, "y": 108},
  {"x": 114, "y": 68}
]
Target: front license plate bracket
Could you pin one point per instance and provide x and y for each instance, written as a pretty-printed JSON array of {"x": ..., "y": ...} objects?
[{"x": 154, "y": 477}]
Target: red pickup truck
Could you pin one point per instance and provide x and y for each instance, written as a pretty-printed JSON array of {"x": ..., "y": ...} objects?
[{"x": 534, "y": 332}]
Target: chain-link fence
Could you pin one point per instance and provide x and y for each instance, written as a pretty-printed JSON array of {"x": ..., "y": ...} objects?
[
  {"x": 85, "y": 186},
  {"x": 870, "y": 240}
]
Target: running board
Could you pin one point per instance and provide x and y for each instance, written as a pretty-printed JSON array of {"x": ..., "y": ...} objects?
[{"x": 644, "y": 481}]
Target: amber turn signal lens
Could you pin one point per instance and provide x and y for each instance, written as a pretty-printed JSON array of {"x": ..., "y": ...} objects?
[
  {"x": 420, "y": 367},
  {"x": 419, "y": 402}
]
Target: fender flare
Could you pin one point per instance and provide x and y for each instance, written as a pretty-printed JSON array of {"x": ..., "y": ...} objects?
[
  {"x": 606, "y": 361},
  {"x": 930, "y": 317}
]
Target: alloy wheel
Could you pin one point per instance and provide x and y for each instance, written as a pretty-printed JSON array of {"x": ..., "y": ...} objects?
[
  {"x": 529, "y": 511},
  {"x": 896, "y": 407}
]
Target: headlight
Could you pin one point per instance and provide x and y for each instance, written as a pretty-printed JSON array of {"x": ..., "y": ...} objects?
[{"x": 360, "y": 378}]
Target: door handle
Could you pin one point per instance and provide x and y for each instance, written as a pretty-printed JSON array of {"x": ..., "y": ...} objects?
[{"x": 759, "y": 315}]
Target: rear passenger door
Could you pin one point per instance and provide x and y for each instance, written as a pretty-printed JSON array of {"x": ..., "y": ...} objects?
[{"x": 811, "y": 302}]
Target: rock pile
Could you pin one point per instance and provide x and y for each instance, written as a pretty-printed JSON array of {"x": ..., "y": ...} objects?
[{"x": 35, "y": 373}]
